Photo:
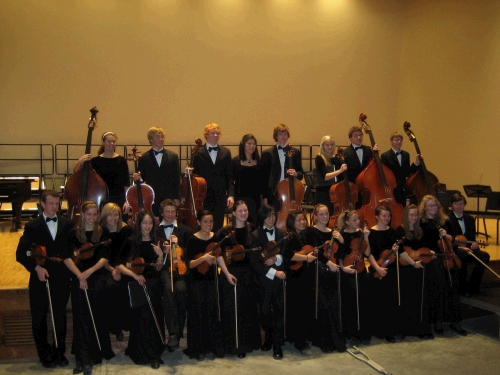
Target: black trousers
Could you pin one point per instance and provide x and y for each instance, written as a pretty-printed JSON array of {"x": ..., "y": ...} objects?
[{"x": 174, "y": 303}]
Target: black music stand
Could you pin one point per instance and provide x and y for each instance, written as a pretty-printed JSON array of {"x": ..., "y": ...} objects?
[{"x": 478, "y": 191}]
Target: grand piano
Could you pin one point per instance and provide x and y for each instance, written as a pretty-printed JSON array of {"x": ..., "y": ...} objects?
[{"x": 16, "y": 191}]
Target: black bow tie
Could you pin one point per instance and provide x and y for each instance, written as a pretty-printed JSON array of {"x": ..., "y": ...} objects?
[
  {"x": 158, "y": 152},
  {"x": 270, "y": 231},
  {"x": 281, "y": 148},
  {"x": 54, "y": 219},
  {"x": 461, "y": 218},
  {"x": 168, "y": 226},
  {"x": 398, "y": 153},
  {"x": 210, "y": 149},
  {"x": 358, "y": 148}
]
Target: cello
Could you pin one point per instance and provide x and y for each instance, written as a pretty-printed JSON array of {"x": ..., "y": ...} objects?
[
  {"x": 343, "y": 194},
  {"x": 139, "y": 196},
  {"x": 85, "y": 184},
  {"x": 377, "y": 183},
  {"x": 193, "y": 192},
  {"x": 422, "y": 182},
  {"x": 290, "y": 194}
]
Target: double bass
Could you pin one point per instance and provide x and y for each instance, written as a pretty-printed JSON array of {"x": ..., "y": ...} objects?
[
  {"x": 193, "y": 193},
  {"x": 290, "y": 194},
  {"x": 85, "y": 184},
  {"x": 139, "y": 196},
  {"x": 422, "y": 182},
  {"x": 377, "y": 183},
  {"x": 343, "y": 194}
]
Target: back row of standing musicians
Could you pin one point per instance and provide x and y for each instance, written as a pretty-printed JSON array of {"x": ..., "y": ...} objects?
[{"x": 307, "y": 309}]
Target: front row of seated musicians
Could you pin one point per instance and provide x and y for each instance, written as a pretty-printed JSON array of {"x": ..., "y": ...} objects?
[{"x": 316, "y": 297}]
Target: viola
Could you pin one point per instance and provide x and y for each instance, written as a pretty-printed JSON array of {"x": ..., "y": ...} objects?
[
  {"x": 290, "y": 194},
  {"x": 422, "y": 182},
  {"x": 330, "y": 249},
  {"x": 237, "y": 253},
  {"x": 343, "y": 195},
  {"x": 214, "y": 249},
  {"x": 377, "y": 183},
  {"x": 138, "y": 264},
  {"x": 358, "y": 247},
  {"x": 450, "y": 259},
  {"x": 86, "y": 251},
  {"x": 387, "y": 257},
  {"x": 307, "y": 249},
  {"x": 423, "y": 254},
  {"x": 39, "y": 254},
  {"x": 176, "y": 262},
  {"x": 193, "y": 193},
  {"x": 272, "y": 248},
  {"x": 85, "y": 184},
  {"x": 139, "y": 196}
]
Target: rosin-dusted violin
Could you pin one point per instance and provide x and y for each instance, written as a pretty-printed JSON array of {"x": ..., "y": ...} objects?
[
  {"x": 343, "y": 195},
  {"x": 377, "y": 184},
  {"x": 422, "y": 182},
  {"x": 39, "y": 254},
  {"x": 290, "y": 194},
  {"x": 85, "y": 184},
  {"x": 358, "y": 247},
  {"x": 193, "y": 193},
  {"x": 86, "y": 251},
  {"x": 387, "y": 257},
  {"x": 213, "y": 248},
  {"x": 139, "y": 196}
]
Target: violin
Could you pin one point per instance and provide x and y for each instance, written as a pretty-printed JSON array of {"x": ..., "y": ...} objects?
[
  {"x": 193, "y": 193},
  {"x": 423, "y": 254},
  {"x": 272, "y": 248},
  {"x": 176, "y": 262},
  {"x": 307, "y": 249},
  {"x": 39, "y": 254},
  {"x": 213, "y": 249},
  {"x": 86, "y": 251},
  {"x": 330, "y": 248},
  {"x": 462, "y": 240},
  {"x": 139, "y": 196},
  {"x": 377, "y": 183},
  {"x": 138, "y": 264},
  {"x": 387, "y": 257},
  {"x": 237, "y": 253},
  {"x": 450, "y": 259},
  {"x": 358, "y": 248},
  {"x": 290, "y": 194},
  {"x": 343, "y": 195},
  {"x": 85, "y": 184}
]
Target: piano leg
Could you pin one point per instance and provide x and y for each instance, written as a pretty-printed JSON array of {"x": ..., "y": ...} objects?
[{"x": 16, "y": 216}]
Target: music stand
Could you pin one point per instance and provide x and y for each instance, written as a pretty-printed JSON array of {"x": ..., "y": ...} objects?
[{"x": 478, "y": 191}]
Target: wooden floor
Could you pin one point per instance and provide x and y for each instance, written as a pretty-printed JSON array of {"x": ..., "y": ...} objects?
[{"x": 15, "y": 276}]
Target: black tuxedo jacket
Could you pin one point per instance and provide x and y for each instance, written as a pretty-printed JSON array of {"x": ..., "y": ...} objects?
[
  {"x": 401, "y": 172},
  {"x": 218, "y": 176},
  {"x": 259, "y": 237},
  {"x": 164, "y": 179},
  {"x": 272, "y": 167},
  {"x": 37, "y": 232},
  {"x": 354, "y": 168},
  {"x": 453, "y": 227},
  {"x": 181, "y": 231}
]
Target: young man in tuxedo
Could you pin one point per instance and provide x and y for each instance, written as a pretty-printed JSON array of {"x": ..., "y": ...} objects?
[
  {"x": 464, "y": 224},
  {"x": 51, "y": 231},
  {"x": 174, "y": 303},
  {"x": 277, "y": 164},
  {"x": 213, "y": 163},
  {"x": 159, "y": 168},
  {"x": 271, "y": 276},
  {"x": 398, "y": 161}
]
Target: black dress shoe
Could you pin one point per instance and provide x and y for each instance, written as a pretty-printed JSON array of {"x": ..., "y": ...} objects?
[
  {"x": 173, "y": 342},
  {"x": 438, "y": 327},
  {"x": 458, "y": 328},
  {"x": 277, "y": 352},
  {"x": 87, "y": 369},
  {"x": 60, "y": 360},
  {"x": 119, "y": 335},
  {"x": 390, "y": 339},
  {"x": 78, "y": 369},
  {"x": 242, "y": 355},
  {"x": 200, "y": 356},
  {"x": 155, "y": 364},
  {"x": 47, "y": 362},
  {"x": 266, "y": 346}
]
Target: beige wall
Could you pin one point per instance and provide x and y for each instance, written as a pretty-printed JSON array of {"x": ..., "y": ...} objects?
[{"x": 248, "y": 65}]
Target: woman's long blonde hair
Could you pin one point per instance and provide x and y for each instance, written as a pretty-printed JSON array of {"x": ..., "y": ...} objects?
[{"x": 440, "y": 218}]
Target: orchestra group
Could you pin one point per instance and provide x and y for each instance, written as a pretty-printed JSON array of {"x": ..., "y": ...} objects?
[{"x": 322, "y": 278}]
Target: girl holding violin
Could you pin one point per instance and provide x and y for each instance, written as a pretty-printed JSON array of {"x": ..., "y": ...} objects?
[
  {"x": 384, "y": 280},
  {"x": 299, "y": 282},
  {"x": 112, "y": 167},
  {"x": 204, "y": 332},
  {"x": 327, "y": 333},
  {"x": 328, "y": 171},
  {"x": 442, "y": 285},
  {"x": 115, "y": 229},
  {"x": 414, "y": 306},
  {"x": 145, "y": 345},
  {"x": 354, "y": 288},
  {"x": 91, "y": 341},
  {"x": 239, "y": 312},
  {"x": 250, "y": 184}
]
